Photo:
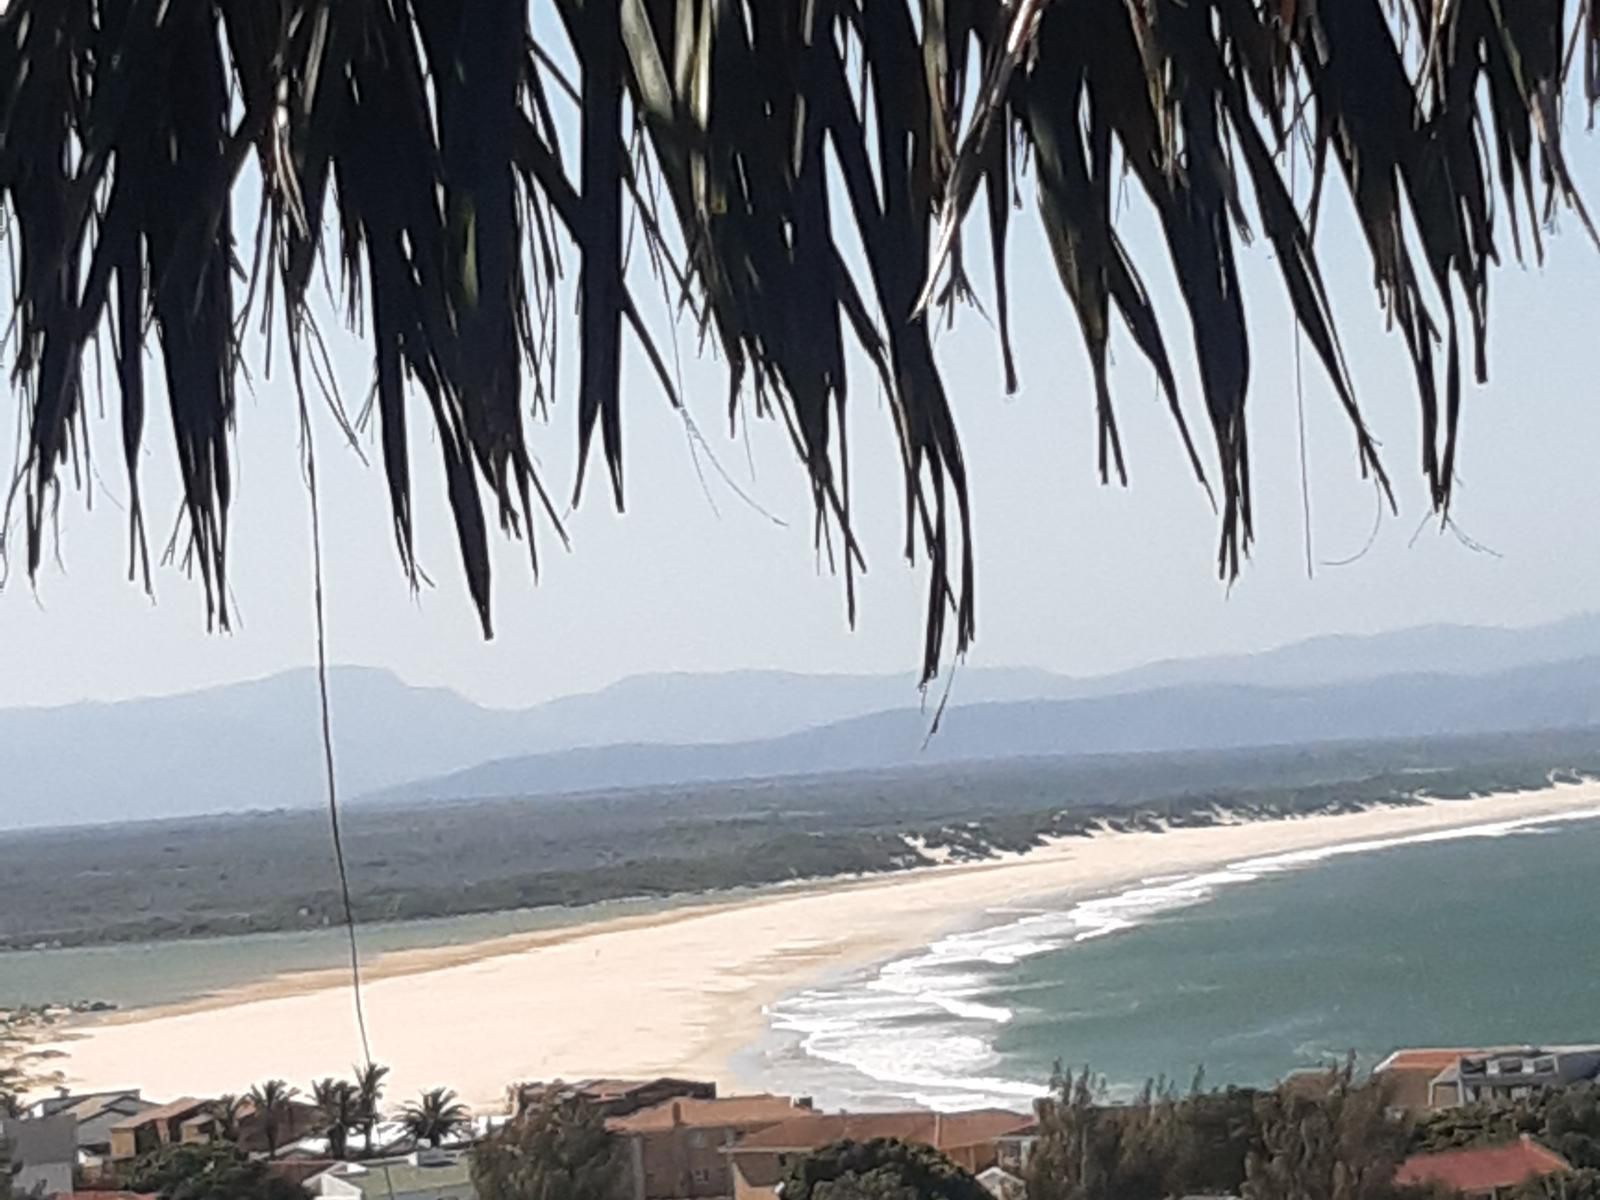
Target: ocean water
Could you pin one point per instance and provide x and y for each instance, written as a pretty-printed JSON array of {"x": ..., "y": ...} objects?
[{"x": 1485, "y": 935}]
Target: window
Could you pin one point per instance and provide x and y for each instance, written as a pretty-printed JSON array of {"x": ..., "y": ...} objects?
[{"x": 701, "y": 1175}]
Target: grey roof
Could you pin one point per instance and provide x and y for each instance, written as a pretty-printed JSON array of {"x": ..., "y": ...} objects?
[{"x": 377, "y": 1178}]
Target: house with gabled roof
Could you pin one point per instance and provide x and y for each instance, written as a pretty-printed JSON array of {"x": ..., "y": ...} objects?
[
  {"x": 1482, "y": 1172},
  {"x": 677, "y": 1150},
  {"x": 969, "y": 1139}
]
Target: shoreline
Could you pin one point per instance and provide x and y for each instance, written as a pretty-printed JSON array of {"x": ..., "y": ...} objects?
[{"x": 679, "y": 991}]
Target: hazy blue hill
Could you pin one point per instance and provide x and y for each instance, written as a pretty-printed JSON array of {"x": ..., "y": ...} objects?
[
  {"x": 249, "y": 745},
  {"x": 254, "y": 745},
  {"x": 735, "y": 706},
  {"x": 1198, "y": 717},
  {"x": 1344, "y": 658}
]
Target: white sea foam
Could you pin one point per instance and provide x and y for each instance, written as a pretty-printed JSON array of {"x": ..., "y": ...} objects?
[{"x": 921, "y": 1028}]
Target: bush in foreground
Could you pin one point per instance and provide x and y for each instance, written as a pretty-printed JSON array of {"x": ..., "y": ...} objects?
[
  {"x": 209, "y": 1171},
  {"x": 882, "y": 1169},
  {"x": 558, "y": 1150}
]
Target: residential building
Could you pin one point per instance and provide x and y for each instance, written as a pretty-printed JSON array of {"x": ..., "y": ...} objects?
[
  {"x": 153, "y": 1128},
  {"x": 425, "y": 1175},
  {"x": 1409, "y": 1076},
  {"x": 1501, "y": 1076},
  {"x": 297, "y": 1120},
  {"x": 1482, "y": 1172},
  {"x": 40, "y": 1153},
  {"x": 96, "y": 1113},
  {"x": 967, "y": 1138},
  {"x": 677, "y": 1150},
  {"x": 1423, "y": 1080},
  {"x": 612, "y": 1097}
]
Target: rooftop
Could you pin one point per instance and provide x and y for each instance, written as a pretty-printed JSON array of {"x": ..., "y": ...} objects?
[
  {"x": 601, "y": 1090},
  {"x": 163, "y": 1112},
  {"x": 763, "y": 1109},
  {"x": 943, "y": 1131},
  {"x": 1482, "y": 1168},
  {"x": 1424, "y": 1060},
  {"x": 86, "y": 1105},
  {"x": 378, "y": 1178},
  {"x": 612, "y": 1087}
]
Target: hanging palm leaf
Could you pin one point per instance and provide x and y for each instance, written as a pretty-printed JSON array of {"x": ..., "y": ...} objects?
[{"x": 777, "y": 133}]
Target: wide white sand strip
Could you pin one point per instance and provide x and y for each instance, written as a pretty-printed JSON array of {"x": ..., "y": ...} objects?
[{"x": 666, "y": 993}]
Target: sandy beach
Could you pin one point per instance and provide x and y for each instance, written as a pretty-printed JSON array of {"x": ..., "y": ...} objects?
[{"x": 677, "y": 992}]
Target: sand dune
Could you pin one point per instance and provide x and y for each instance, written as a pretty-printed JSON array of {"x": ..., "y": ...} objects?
[{"x": 675, "y": 992}]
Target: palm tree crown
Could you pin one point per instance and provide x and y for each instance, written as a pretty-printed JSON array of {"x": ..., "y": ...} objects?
[
  {"x": 225, "y": 1112},
  {"x": 435, "y": 1116},
  {"x": 273, "y": 1102}
]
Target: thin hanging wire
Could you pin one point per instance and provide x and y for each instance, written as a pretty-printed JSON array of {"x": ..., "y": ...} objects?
[{"x": 327, "y": 732}]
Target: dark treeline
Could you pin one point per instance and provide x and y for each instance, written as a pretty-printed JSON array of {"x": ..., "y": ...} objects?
[{"x": 271, "y": 872}]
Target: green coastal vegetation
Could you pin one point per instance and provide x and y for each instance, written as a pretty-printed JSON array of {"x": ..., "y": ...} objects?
[
  {"x": 209, "y": 1171},
  {"x": 557, "y": 1149},
  {"x": 1339, "y": 1139},
  {"x": 271, "y": 872}
]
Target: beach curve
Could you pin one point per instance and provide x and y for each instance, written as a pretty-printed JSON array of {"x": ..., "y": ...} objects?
[{"x": 673, "y": 992}]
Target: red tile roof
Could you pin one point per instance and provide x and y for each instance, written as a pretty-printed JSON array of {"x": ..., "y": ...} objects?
[
  {"x": 1482, "y": 1168},
  {"x": 943, "y": 1131},
  {"x": 726, "y": 1112},
  {"x": 1423, "y": 1060}
]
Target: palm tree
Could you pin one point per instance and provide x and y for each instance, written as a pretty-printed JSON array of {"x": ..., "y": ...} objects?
[
  {"x": 435, "y": 1117},
  {"x": 423, "y": 135},
  {"x": 338, "y": 1104},
  {"x": 369, "y": 1095},
  {"x": 225, "y": 1112},
  {"x": 273, "y": 1102}
]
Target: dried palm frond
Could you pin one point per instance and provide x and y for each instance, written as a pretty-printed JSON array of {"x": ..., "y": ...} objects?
[{"x": 777, "y": 133}]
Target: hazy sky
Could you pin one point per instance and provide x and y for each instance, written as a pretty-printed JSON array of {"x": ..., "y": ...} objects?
[{"x": 1072, "y": 576}]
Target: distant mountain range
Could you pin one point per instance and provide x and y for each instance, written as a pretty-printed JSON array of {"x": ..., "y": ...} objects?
[
  {"x": 254, "y": 745},
  {"x": 1186, "y": 717}
]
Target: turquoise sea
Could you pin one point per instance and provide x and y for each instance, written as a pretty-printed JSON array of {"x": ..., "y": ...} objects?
[{"x": 1490, "y": 935}]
